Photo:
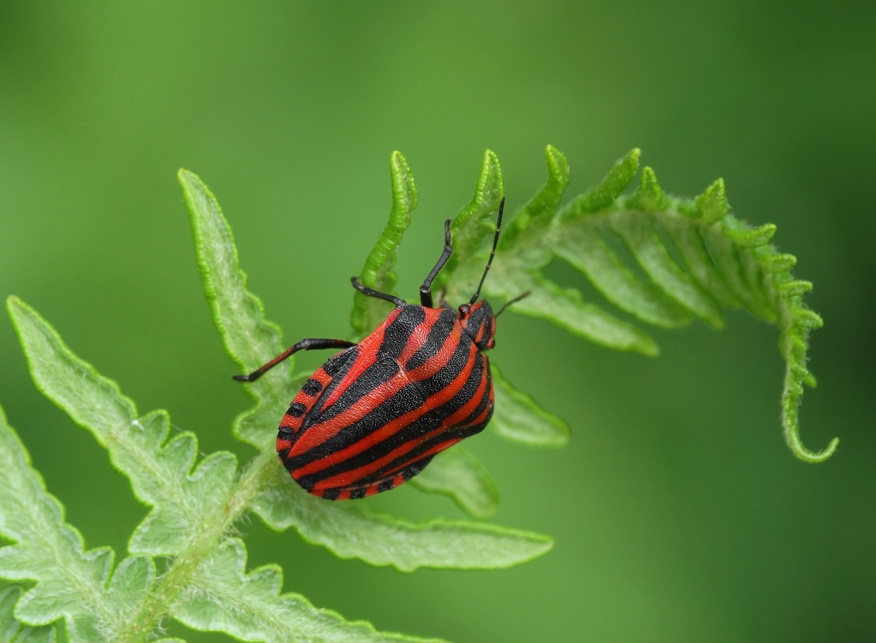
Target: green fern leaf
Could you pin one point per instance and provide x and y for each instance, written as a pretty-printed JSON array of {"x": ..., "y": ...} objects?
[
  {"x": 223, "y": 597},
  {"x": 659, "y": 259},
  {"x": 474, "y": 221},
  {"x": 161, "y": 474},
  {"x": 518, "y": 417},
  {"x": 378, "y": 272},
  {"x": 238, "y": 314},
  {"x": 457, "y": 474},
  {"x": 384, "y": 540},
  {"x": 604, "y": 193},
  {"x": 13, "y": 630},
  {"x": 72, "y": 583}
]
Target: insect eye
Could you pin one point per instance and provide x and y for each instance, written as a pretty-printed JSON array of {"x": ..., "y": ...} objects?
[{"x": 464, "y": 311}]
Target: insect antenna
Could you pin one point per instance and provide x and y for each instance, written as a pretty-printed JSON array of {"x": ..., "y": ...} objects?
[
  {"x": 513, "y": 301},
  {"x": 474, "y": 297}
]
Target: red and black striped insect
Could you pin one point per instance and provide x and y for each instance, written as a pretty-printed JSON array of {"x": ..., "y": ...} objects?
[{"x": 374, "y": 415}]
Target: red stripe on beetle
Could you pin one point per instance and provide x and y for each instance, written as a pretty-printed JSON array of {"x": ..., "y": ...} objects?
[
  {"x": 367, "y": 357},
  {"x": 391, "y": 428},
  {"x": 417, "y": 340}
]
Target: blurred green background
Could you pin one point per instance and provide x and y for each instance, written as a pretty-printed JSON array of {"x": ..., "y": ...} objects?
[{"x": 678, "y": 512}]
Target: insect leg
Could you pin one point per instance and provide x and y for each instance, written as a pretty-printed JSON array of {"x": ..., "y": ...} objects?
[
  {"x": 426, "y": 288},
  {"x": 308, "y": 344},
  {"x": 370, "y": 292}
]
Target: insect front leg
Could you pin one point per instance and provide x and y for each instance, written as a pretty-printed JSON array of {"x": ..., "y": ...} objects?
[
  {"x": 370, "y": 292},
  {"x": 307, "y": 344},
  {"x": 426, "y": 288}
]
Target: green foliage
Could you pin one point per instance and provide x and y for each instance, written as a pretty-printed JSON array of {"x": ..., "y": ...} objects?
[
  {"x": 658, "y": 259},
  {"x": 13, "y": 630},
  {"x": 655, "y": 258}
]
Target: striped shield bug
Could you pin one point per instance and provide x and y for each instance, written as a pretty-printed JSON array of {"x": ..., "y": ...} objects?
[{"x": 375, "y": 414}]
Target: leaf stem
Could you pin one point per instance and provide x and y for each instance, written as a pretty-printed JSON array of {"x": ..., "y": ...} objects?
[{"x": 166, "y": 592}]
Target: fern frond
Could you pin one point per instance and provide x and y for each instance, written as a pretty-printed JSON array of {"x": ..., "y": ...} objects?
[
  {"x": 72, "y": 583},
  {"x": 474, "y": 220},
  {"x": 378, "y": 273},
  {"x": 659, "y": 259},
  {"x": 186, "y": 503}
]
